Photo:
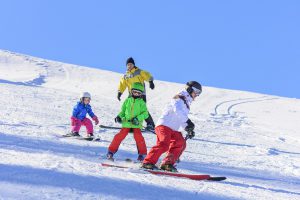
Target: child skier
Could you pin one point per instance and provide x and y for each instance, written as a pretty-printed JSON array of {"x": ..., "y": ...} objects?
[
  {"x": 79, "y": 116},
  {"x": 169, "y": 139},
  {"x": 134, "y": 112}
]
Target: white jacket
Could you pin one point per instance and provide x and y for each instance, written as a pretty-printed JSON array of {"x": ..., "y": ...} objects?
[{"x": 176, "y": 113}]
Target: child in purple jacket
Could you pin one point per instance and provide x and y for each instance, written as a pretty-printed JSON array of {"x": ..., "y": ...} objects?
[{"x": 79, "y": 116}]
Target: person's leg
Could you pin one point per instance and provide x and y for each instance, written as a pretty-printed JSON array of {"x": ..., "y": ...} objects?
[
  {"x": 114, "y": 146},
  {"x": 76, "y": 125},
  {"x": 182, "y": 150},
  {"x": 177, "y": 144},
  {"x": 140, "y": 141},
  {"x": 163, "y": 134},
  {"x": 88, "y": 125}
]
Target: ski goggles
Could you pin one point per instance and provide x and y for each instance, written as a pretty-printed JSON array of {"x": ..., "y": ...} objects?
[
  {"x": 136, "y": 92},
  {"x": 197, "y": 91}
]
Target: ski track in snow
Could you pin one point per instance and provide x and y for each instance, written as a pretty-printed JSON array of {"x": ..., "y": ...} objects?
[
  {"x": 223, "y": 111},
  {"x": 37, "y": 163},
  {"x": 229, "y": 101}
]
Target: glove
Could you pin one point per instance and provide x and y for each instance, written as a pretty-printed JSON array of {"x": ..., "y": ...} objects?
[
  {"x": 152, "y": 86},
  {"x": 95, "y": 118},
  {"x": 118, "y": 119},
  {"x": 135, "y": 121},
  {"x": 74, "y": 121},
  {"x": 190, "y": 134},
  {"x": 119, "y": 96},
  {"x": 190, "y": 126}
]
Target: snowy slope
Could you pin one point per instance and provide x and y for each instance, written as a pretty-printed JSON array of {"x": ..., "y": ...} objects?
[{"x": 251, "y": 138}]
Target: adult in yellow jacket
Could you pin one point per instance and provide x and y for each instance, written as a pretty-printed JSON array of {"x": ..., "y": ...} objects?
[{"x": 136, "y": 75}]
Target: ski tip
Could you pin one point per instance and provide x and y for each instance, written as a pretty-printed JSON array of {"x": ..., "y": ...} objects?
[
  {"x": 66, "y": 135},
  {"x": 88, "y": 139},
  {"x": 222, "y": 178}
]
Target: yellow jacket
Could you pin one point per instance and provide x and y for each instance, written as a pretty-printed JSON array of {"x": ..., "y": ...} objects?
[{"x": 133, "y": 76}]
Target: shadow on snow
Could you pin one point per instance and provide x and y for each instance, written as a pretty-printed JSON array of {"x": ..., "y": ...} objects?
[{"x": 33, "y": 83}]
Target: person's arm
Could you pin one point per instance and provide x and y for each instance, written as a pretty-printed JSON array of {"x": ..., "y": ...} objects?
[
  {"x": 123, "y": 109},
  {"x": 148, "y": 77},
  {"x": 181, "y": 110},
  {"x": 90, "y": 111},
  {"x": 75, "y": 111},
  {"x": 92, "y": 115},
  {"x": 144, "y": 112},
  {"x": 122, "y": 85}
]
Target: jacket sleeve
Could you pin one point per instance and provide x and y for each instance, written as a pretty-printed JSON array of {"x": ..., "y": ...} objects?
[
  {"x": 181, "y": 111},
  {"x": 123, "y": 109},
  {"x": 144, "y": 112},
  {"x": 146, "y": 75},
  {"x": 90, "y": 111},
  {"x": 75, "y": 111},
  {"x": 122, "y": 85}
]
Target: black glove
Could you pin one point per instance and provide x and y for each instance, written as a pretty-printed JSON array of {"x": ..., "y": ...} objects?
[
  {"x": 190, "y": 126},
  {"x": 152, "y": 86},
  {"x": 190, "y": 134},
  {"x": 135, "y": 121},
  {"x": 119, "y": 96},
  {"x": 118, "y": 119}
]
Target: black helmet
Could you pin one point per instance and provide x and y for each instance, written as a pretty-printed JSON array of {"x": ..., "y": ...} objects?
[{"x": 194, "y": 86}]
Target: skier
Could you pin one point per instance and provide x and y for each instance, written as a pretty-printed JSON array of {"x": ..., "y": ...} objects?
[
  {"x": 134, "y": 112},
  {"x": 169, "y": 139},
  {"x": 78, "y": 118},
  {"x": 132, "y": 75}
]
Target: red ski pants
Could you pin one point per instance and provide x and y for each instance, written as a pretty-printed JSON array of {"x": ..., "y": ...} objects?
[
  {"x": 168, "y": 141},
  {"x": 139, "y": 139}
]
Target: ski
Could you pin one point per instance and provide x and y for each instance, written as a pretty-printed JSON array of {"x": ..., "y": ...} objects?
[
  {"x": 110, "y": 127},
  {"x": 95, "y": 139},
  {"x": 197, "y": 177},
  {"x": 118, "y": 128}
]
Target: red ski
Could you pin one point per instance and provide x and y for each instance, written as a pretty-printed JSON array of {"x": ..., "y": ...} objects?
[{"x": 197, "y": 177}]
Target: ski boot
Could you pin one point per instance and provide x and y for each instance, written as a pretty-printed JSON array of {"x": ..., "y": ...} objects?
[
  {"x": 90, "y": 135},
  {"x": 109, "y": 156},
  {"x": 168, "y": 167},
  {"x": 149, "y": 166},
  {"x": 74, "y": 134},
  {"x": 141, "y": 157}
]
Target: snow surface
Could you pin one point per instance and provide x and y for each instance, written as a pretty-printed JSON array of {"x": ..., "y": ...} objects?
[{"x": 253, "y": 139}]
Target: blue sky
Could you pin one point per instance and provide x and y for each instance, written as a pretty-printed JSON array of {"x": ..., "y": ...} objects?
[{"x": 251, "y": 45}]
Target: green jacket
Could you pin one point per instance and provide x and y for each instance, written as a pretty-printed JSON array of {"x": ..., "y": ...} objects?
[{"x": 133, "y": 108}]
